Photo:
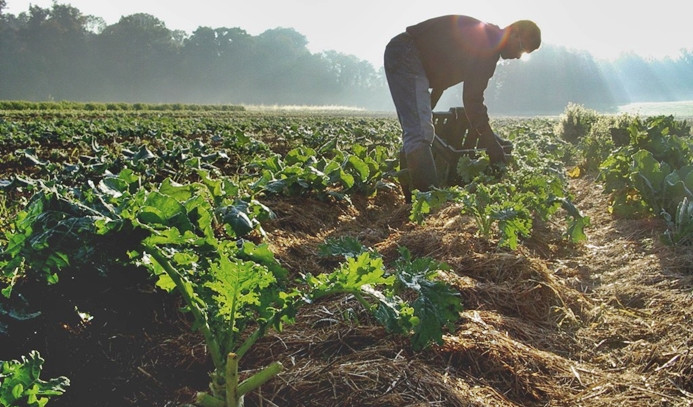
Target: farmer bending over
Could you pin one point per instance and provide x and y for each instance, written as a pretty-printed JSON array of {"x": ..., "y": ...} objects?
[{"x": 437, "y": 54}]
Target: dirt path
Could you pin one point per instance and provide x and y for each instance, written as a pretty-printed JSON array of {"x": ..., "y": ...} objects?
[{"x": 637, "y": 337}]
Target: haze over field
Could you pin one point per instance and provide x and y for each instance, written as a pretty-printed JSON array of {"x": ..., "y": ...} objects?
[
  {"x": 310, "y": 52},
  {"x": 363, "y": 27}
]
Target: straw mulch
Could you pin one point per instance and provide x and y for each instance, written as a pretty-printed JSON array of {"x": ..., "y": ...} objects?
[{"x": 602, "y": 323}]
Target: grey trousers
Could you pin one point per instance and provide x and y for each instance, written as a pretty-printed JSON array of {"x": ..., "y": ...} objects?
[{"x": 409, "y": 86}]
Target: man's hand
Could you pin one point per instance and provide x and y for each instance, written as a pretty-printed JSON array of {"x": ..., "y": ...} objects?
[
  {"x": 493, "y": 148},
  {"x": 506, "y": 144}
]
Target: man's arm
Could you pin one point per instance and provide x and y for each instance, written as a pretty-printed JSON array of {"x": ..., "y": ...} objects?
[
  {"x": 473, "y": 101},
  {"x": 477, "y": 114}
]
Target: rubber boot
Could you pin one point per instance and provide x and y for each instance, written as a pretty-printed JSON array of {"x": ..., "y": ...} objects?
[{"x": 422, "y": 169}]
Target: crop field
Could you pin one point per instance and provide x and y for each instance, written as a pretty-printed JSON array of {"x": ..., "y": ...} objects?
[{"x": 215, "y": 257}]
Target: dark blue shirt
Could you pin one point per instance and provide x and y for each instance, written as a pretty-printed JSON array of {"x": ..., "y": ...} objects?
[{"x": 455, "y": 49}]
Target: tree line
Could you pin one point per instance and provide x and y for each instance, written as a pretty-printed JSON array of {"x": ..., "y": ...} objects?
[{"x": 58, "y": 53}]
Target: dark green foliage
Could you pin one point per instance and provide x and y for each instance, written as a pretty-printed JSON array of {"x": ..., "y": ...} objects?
[
  {"x": 576, "y": 122},
  {"x": 436, "y": 304},
  {"x": 651, "y": 174},
  {"x": 180, "y": 198},
  {"x": 103, "y": 107},
  {"x": 511, "y": 199},
  {"x": 21, "y": 385},
  {"x": 431, "y": 306},
  {"x": 680, "y": 226}
]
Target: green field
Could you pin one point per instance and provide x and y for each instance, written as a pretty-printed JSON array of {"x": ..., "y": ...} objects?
[
  {"x": 682, "y": 109},
  {"x": 166, "y": 255}
]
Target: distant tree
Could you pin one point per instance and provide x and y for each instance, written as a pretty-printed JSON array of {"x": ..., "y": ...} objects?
[
  {"x": 640, "y": 80},
  {"x": 200, "y": 63},
  {"x": 64, "y": 42},
  {"x": 136, "y": 56},
  {"x": 684, "y": 74},
  {"x": 237, "y": 56},
  {"x": 218, "y": 63},
  {"x": 278, "y": 53},
  {"x": 357, "y": 82},
  {"x": 349, "y": 71},
  {"x": 60, "y": 53},
  {"x": 95, "y": 25},
  {"x": 45, "y": 50},
  {"x": 284, "y": 44},
  {"x": 8, "y": 49},
  {"x": 687, "y": 56}
]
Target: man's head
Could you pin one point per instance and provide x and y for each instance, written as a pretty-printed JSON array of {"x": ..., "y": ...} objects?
[{"x": 522, "y": 36}]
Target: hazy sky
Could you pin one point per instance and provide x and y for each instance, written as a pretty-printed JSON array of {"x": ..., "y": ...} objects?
[{"x": 363, "y": 27}]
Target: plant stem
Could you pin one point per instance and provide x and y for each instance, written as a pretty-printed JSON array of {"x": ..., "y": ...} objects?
[
  {"x": 357, "y": 293},
  {"x": 250, "y": 341},
  {"x": 232, "y": 394},
  {"x": 207, "y": 400},
  {"x": 362, "y": 301},
  {"x": 259, "y": 333},
  {"x": 260, "y": 378},
  {"x": 198, "y": 314}
]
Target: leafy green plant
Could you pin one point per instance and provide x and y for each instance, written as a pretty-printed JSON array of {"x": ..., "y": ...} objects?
[
  {"x": 532, "y": 187},
  {"x": 50, "y": 226},
  {"x": 229, "y": 288},
  {"x": 659, "y": 186},
  {"x": 431, "y": 304},
  {"x": 234, "y": 289},
  {"x": 490, "y": 204},
  {"x": 605, "y": 134},
  {"x": 473, "y": 168},
  {"x": 343, "y": 246},
  {"x": 436, "y": 305},
  {"x": 21, "y": 385},
  {"x": 575, "y": 122},
  {"x": 303, "y": 170},
  {"x": 652, "y": 173},
  {"x": 238, "y": 303},
  {"x": 423, "y": 203},
  {"x": 680, "y": 226}
]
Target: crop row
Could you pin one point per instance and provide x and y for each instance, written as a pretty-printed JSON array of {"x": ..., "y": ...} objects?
[
  {"x": 645, "y": 165},
  {"x": 22, "y": 105},
  {"x": 185, "y": 193}
]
